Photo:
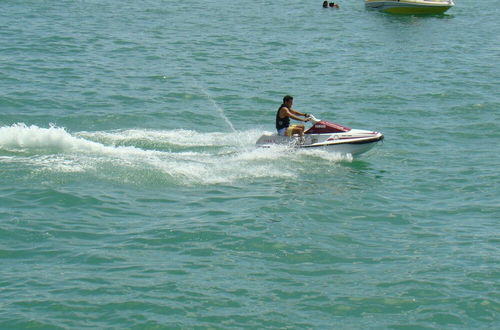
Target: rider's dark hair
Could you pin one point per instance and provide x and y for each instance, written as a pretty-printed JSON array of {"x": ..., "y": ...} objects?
[{"x": 287, "y": 98}]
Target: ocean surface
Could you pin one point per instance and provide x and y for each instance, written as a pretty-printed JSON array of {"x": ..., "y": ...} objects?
[{"x": 132, "y": 194}]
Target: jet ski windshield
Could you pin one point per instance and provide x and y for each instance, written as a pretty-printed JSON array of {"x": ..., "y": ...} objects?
[{"x": 322, "y": 127}]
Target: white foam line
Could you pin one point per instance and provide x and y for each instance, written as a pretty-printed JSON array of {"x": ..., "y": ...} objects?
[
  {"x": 56, "y": 150},
  {"x": 179, "y": 137},
  {"x": 20, "y": 137}
]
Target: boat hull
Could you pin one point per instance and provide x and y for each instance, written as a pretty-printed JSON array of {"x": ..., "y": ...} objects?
[
  {"x": 412, "y": 7},
  {"x": 353, "y": 144},
  {"x": 353, "y": 149}
]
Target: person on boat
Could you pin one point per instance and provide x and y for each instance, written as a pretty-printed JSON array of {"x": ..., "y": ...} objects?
[
  {"x": 325, "y": 4},
  {"x": 285, "y": 112},
  {"x": 333, "y": 5}
]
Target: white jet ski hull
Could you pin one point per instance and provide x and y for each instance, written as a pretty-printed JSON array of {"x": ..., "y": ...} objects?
[{"x": 354, "y": 142}]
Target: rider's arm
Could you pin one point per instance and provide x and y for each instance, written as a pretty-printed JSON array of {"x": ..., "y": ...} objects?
[
  {"x": 295, "y": 112},
  {"x": 295, "y": 115}
]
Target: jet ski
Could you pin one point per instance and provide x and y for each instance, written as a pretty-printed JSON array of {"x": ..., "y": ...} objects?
[{"x": 327, "y": 136}]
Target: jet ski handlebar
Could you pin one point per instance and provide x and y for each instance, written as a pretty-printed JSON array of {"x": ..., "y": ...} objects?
[{"x": 314, "y": 120}]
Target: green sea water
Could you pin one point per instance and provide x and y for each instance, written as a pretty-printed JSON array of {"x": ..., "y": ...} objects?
[{"x": 132, "y": 194}]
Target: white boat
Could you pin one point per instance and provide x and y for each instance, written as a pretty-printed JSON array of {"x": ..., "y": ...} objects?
[
  {"x": 410, "y": 6},
  {"x": 327, "y": 136}
]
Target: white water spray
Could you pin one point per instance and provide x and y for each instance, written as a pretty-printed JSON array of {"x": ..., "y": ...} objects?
[
  {"x": 216, "y": 106},
  {"x": 180, "y": 156}
]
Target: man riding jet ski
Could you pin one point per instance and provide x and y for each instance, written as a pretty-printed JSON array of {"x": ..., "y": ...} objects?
[
  {"x": 285, "y": 112},
  {"x": 322, "y": 134}
]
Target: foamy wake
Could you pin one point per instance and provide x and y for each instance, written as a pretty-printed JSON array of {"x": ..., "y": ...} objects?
[{"x": 182, "y": 156}]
